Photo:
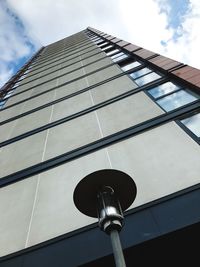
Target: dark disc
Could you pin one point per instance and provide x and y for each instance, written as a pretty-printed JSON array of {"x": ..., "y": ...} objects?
[{"x": 85, "y": 193}]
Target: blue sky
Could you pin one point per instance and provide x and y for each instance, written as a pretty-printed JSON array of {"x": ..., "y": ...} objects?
[{"x": 168, "y": 27}]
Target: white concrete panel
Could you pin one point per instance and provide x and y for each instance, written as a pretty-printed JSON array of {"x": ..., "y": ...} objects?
[
  {"x": 71, "y": 88},
  {"x": 72, "y": 134},
  {"x": 38, "y": 101},
  {"x": 71, "y": 105},
  {"x": 55, "y": 212},
  {"x": 97, "y": 65},
  {"x": 48, "y": 77},
  {"x": 16, "y": 202},
  {"x": 162, "y": 161},
  {"x": 92, "y": 58},
  {"x": 91, "y": 53},
  {"x": 6, "y": 130},
  {"x": 127, "y": 112},
  {"x": 44, "y": 87},
  {"x": 69, "y": 68},
  {"x": 18, "y": 98},
  {"x": 26, "y": 86},
  {"x": 113, "y": 88},
  {"x": 22, "y": 154},
  {"x": 31, "y": 121},
  {"x": 10, "y": 112},
  {"x": 69, "y": 77},
  {"x": 104, "y": 74}
]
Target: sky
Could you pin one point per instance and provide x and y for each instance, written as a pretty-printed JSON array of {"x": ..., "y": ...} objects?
[{"x": 168, "y": 27}]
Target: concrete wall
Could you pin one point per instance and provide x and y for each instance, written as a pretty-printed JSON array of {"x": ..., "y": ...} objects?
[{"x": 162, "y": 160}]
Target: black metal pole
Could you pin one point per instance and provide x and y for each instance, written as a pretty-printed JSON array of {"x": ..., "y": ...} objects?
[{"x": 117, "y": 249}]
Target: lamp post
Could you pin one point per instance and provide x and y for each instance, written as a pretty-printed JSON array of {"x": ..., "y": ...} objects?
[{"x": 105, "y": 194}]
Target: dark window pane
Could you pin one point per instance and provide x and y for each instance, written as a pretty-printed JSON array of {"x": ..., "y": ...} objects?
[
  {"x": 176, "y": 100},
  {"x": 193, "y": 123},
  {"x": 163, "y": 89}
]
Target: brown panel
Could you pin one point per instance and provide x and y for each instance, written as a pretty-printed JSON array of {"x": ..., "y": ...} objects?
[
  {"x": 164, "y": 62},
  {"x": 191, "y": 73},
  {"x": 131, "y": 47},
  {"x": 144, "y": 53},
  {"x": 198, "y": 85},
  {"x": 115, "y": 40},
  {"x": 195, "y": 79},
  {"x": 106, "y": 36},
  {"x": 171, "y": 65},
  {"x": 157, "y": 60},
  {"x": 110, "y": 37},
  {"x": 122, "y": 43},
  {"x": 181, "y": 71}
]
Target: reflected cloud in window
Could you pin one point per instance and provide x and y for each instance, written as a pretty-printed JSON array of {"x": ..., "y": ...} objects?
[
  {"x": 112, "y": 52},
  {"x": 106, "y": 48},
  {"x": 139, "y": 73},
  {"x": 176, "y": 100},
  {"x": 147, "y": 78},
  {"x": 163, "y": 89},
  {"x": 131, "y": 65},
  {"x": 119, "y": 56},
  {"x": 193, "y": 124}
]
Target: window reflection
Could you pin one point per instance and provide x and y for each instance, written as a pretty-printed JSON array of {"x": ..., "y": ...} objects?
[
  {"x": 193, "y": 124},
  {"x": 163, "y": 89},
  {"x": 104, "y": 43},
  {"x": 112, "y": 52},
  {"x": 106, "y": 48},
  {"x": 147, "y": 78},
  {"x": 98, "y": 41},
  {"x": 139, "y": 73},
  {"x": 131, "y": 66},
  {"x": 176, "y": 100},
  {"x": 119, "y": 56}
]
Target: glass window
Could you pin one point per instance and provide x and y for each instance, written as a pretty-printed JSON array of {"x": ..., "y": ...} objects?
[
  {"x": 106, "y": 47},
  {"x": 147, "y": 78},
  {"x": 104, "y": 43},
  {"x": 193, "y": 124},
  {"x": 176, "y": 100},
  {"x": 140, "y": 73},
  {"x": 98, "y": 41},
  {"x": 112, "y": 52},
  {"x": 119, "y": 56},
  {"x": 8, "y": 94},
  {"x": 2, "y": 103},
  {"x": 130, "y": 66},
  {"x": 163, "y": 89}
]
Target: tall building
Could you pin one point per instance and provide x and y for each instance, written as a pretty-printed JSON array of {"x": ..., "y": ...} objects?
[{"x": 89, "y": 102}]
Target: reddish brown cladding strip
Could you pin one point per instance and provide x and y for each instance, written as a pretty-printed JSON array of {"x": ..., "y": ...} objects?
[
  {"x": 131, "y": 47},
  {"x": 189, "y": 74},
  {"x": 115, "y": 40},
  {"x": 164, "y": 62},
  {"x": 123, "y": 43},
  {"x": 144, "y": 53},
  {"x": 110, "y": 37}
]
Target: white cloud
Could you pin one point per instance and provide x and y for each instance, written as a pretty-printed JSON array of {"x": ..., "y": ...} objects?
[
  {"x": 14, "y": 44},
  {"x": 144, "y": 23},
  {"x": 185, "y": 47}
]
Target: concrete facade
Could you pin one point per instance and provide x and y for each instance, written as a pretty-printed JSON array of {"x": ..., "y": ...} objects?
[{"x": 74, "y": 111}]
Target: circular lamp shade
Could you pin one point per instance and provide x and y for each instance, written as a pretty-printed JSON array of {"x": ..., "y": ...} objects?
[{"x": 85, "y": 193}]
